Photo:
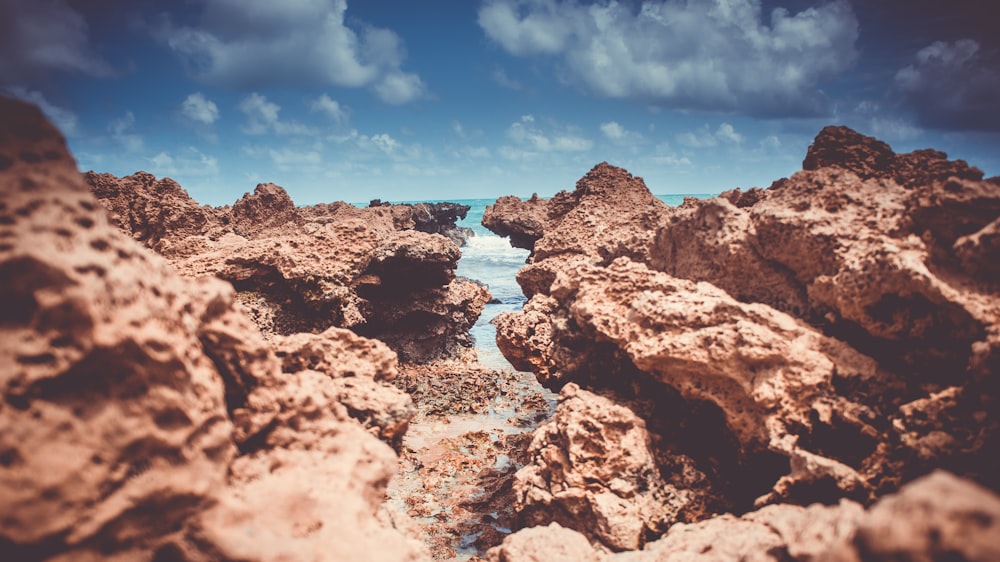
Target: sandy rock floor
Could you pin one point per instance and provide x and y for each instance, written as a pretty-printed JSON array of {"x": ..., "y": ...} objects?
[{"x": 460, "y": 454}]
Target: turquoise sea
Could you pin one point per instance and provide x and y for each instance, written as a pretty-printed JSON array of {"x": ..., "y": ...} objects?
[{"x": 491, "y": 260}]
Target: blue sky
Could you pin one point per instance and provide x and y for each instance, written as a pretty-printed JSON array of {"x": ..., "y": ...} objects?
[{"x": 447, "y": 99}]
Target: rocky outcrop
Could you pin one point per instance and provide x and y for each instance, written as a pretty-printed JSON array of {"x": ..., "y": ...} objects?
[
  {"x": 523, "y": 222},
  {"x": 143, "y": 416},
  {"x": 938, "y": 517},
  {"x": 384, "y": 271},
  {"x": 592, "y": 469},
  {"x": 833, "y": 336}
]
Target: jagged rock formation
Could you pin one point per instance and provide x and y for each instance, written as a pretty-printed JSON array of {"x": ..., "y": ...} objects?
[
  {"x": 592, "y": 468},
  {"x": 385, "y": 271},
  {"x": 143, "y": 416},
  {"x": 833, "y": 336},
  {"x": 937, "y": 517}
]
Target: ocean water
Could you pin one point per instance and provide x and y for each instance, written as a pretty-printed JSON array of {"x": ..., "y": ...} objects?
[{"x": 490, "y": 259}]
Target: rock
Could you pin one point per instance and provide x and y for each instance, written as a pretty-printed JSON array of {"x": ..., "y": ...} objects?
[
  {"x": 521, "y": 221},
  {"x": 158, "y": 213},
  {"x": 358, "y": 367},
  {"x": 938, "y": 517},
  {"x": 592, "y": 471},
  {"x": 142, "y": 414},
  {"x": 384, "y": 271},
  {"x": 268, "y": 207},
  {"x": 833, "y": 336},
  {"x": 553, "y": 543},
  {"x": 979, "y": 253}
]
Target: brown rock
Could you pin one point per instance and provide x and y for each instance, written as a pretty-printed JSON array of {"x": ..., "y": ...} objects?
[
  {"x": 158, "y": 213},
  {"x": 358, "y": 368},
  {"x": 938, "y": 517},
  {"x": 268, "y": 207},
  {"x": 142, "y": 415},
  {"x": 521, "y": 221},
  {"x": 112, "y": 405},
  {"x": 553, "y": 543},
  {"x": 592, "y": 470},
  {"x": 847, "y": 346},
  {"x": 383, "y": 271}
]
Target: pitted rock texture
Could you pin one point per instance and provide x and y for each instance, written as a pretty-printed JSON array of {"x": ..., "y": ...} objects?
[
  {"x": 833, "y": 336},
  {"x": 610, "y": 213},
  {"x": 142, "y": 416},
  {"x": 592, "y": 469},
  {"x": 937, "y": 517},
  {"x": 384, "y": 271}
]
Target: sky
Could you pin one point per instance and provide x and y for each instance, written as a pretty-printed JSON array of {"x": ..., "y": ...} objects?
[{"x": 460, "y": 99}]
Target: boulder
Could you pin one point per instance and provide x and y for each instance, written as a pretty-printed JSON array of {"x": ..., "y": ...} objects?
[
  {"x": 936, "y": 517},
  {"x": 385, "y": 271},
  {"x": 143, "y": 416},
  {"x": 592, "y": 470},
  {"x": 831, "y": 337}
]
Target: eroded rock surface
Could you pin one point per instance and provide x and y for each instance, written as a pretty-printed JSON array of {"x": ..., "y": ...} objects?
[
  {"x": 592, "y": 469},
  {"x": 385, "y": 271},
  {"x": 833, "y": 336},
  {"x": 937, "y": 517},
  {"x": 143, "y": 416}
]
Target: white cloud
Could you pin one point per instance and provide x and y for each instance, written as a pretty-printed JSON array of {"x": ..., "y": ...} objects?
[
  {"x": 500, "y": 77},
  {"x": 263, "y": 117},
  {"x": 952, "y": 86},
  {"x": 705, "y": 138},
  {"x": 253, "y": 44},
  {"x": 618, "y": 134},
  {"x": 200, "y": 109},
  {"x": 190, "y": 162},
  {"x": 397, "y": 88},
  {"x": 727, "y": 133},
  {"x": 458, "y": 129},
  {"x": 384, "y": 142},
  {"x": 613, "y": 130},
  {"x": 66, "y": 120},
  {"x": 295, "y": 159},
  {"x": 713, "y": 54},
  {"x": 44, "y": 37},
  {"x": 123, "y": 132},
  {"x": 330, "y": 107},
  {"x": 525, "y": 133}
]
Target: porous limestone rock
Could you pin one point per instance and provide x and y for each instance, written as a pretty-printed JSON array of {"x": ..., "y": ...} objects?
[
  {"x": 384, "y": 271},
  {"x": 592, "y": 470},
  {"x": 936, "y": 517},
  {"x": 552, "y": 543},
  {"x": 142, "y": 416},
  {"x": 833, "y": 336}
]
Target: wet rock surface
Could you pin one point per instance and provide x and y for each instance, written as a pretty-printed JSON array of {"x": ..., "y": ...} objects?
[
  {"x": 460, "y": 454},
  {"x": 385, "y": 271},
  {"x": 827, "y": 339}
]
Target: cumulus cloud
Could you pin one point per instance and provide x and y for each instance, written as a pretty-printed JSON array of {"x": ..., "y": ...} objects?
[
  {"x": 200, "y": 109},
  {"x": 712, "y": 55},
  {"x": 952, "y": 86},
  {"x": 617, "y": 133},
  {"x": 252, "y": 44},
  {"x": 40, "y": 37},
  {"x": 330, "y": 107},
  {"x": 263, "y": 117},
  {"x": 613, "y": 130},
  {"x": 189, "y": 162},
  {"x": 705, "y": 138},
  {"x": 526, "y": 134}
]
